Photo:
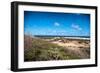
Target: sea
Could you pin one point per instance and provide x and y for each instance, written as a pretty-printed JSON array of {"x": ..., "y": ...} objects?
[{"x": 67, "y": 37}]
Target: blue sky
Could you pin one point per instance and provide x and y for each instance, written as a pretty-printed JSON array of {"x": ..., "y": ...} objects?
[{"x": 52, "y": 23}]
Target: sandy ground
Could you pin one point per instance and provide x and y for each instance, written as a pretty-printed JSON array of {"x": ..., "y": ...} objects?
[
  {"x": 79, "y": 49},
  {"x": 71, "y": 44}
]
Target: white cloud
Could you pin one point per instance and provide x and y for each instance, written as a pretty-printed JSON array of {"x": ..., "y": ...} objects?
[
  {"x": 76, "y": 27},
  {"x": 56, "y": 24}
]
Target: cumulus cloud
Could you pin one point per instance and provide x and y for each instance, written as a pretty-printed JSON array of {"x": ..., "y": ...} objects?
[
  {"x": 56, "y": 24},
  {"x": 76, "y": 27}
]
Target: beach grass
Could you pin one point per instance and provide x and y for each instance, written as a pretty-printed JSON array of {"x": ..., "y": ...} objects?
[{"x": 37, "y": 49}]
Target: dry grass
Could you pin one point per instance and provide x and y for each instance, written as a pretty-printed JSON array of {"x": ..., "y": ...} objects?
[{"x": 37, "y": 49}]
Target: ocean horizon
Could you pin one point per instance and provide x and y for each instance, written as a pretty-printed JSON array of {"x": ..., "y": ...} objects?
[{"x": 64, "y": 36}]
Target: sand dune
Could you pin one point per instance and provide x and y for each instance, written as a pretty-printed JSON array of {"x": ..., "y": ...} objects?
[
  {"x": 78, "y": 48},
  {"x": 44, "y": 49},
  {"x": 71, "y": 44}
]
